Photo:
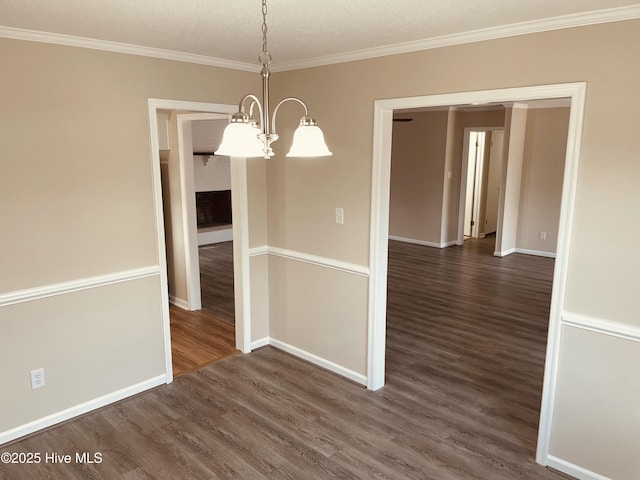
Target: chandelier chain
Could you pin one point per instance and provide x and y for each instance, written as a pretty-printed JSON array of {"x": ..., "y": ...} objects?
[{"x": 264, "y": 55}]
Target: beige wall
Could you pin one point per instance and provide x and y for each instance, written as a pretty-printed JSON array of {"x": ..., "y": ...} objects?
[
  {"x": 542, "y": 174},
  {"x": 312, "y": 309},
  {"x": 601, "y": 281},
  {"x": 68, "y": 215},
  {"x": 91, "y": 343},
  {"x": 417, "y": 172},
  {"x": 596, "y": 415},
  {"x": 77, "y": 202}
]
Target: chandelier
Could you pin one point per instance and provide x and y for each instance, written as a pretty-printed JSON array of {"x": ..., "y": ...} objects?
[{"x": 246, "y": 136}]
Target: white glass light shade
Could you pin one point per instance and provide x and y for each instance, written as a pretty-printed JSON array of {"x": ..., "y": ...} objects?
[
  {"x": 308, "y": 141},
  {"x": 241, "y": 140}
]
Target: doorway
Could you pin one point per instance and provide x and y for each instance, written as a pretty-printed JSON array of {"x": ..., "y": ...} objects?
[
  {"x": 383, "y": 117},
  {"x": 199, "y": 223},
  {"x": 239, "y": 200},
  {"x": 481, "y": 174}
]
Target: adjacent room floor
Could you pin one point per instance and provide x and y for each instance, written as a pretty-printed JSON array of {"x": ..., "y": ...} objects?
[
  {"x": 465, "y": 358},
  {"x": 216, "y": 280},
  {"x": 202, "y": 337}
]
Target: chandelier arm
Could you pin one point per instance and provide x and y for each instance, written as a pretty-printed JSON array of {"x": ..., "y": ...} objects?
[
  {"x": 275, "y": 111},
  {"x": 255, "y": 101}
]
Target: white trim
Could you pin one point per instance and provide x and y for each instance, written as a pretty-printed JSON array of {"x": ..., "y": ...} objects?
[
  {"x": 538, "y": 253},
  {"x": 156, "y": 174},
  {"x": 600, "y": 325},
  {"x": 179, "y": 302},
  {"x": 379, "y": 242},
  {"x": 261, "y": 250},
  {"x": 320, "y": 261},
  {"x": 504, "y": 253},
  {"x": 241, "y": 265},
  {"x": 319, "y": 361},
  {"x": 184, "y": 150},
  {"x": 326, "y": 262},
  {"x": 261, "y": 342},
  {"x": 558, "y": 292},
  {"x": 64, "y": 288},
  {"x": 81, "y": 409},
  {"x": 215, "y": 236},
  {"x": 381, "y": 166},
  {"x": 126, "y": 48},
  {"x": 536, "y": 26},
  {"x": 241, "y": 277},
  {"x": 423, "y": 242},
  {"x": 573, "y": 470},
  {"x": 549, "y": 103},
  {"x": 524, "y": 28}
]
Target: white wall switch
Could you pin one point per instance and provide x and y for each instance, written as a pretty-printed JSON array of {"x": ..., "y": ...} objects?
[{"x": 339, "y": 216}]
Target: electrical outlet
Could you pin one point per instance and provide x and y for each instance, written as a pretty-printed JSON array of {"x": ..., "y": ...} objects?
[
  {"x": 37, "y": 378},
  {"x": 339, "y": 216},
  {"x": 542, "y": 235}
]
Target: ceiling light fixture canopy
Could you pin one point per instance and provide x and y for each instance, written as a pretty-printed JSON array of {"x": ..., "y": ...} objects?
[{"x": 247, "y": 137}]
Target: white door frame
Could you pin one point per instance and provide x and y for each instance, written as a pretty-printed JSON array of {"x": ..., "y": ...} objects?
[
  {"x": 379, "y": 233},
  {"x": 463, "y": 177},
  {"x": 239, "y": 201},
  {"x": 188, "y": 204}
]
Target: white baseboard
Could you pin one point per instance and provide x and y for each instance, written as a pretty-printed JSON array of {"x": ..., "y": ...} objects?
[
  {"x": 321, "y": 362},
  {"x": 215, "y": 236},
  {"x": 260, "y": 343},
  {"x": 573, "y": 470},
  {"x": 525, "y": 251},
  {"x": 423, "y": 242},
  {"x": 178, "y": 302},
  {"x": 537, "y": 253},
  {"x": 81, "y": 409}
]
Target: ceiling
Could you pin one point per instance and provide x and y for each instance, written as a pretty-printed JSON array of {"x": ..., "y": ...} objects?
[{"x": 301, "y": 32}]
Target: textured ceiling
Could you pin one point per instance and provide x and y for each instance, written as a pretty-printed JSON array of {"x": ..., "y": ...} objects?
[{"x": 298, "y": 29}]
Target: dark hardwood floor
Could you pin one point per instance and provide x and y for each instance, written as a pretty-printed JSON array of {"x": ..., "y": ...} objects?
[
  {"x": 216, "y": 280},
  {"x": 465, "y": 354}
]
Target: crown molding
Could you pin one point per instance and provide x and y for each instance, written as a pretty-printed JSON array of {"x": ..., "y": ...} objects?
[
  {"x": 515, "y": 29},
  {"x": 82, "y": 42},
  {"x": 556, "y": 23}
]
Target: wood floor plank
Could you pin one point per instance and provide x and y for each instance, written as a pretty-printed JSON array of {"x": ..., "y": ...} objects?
[
  {"x": 466, "y": 335},
  {"x": 216, "y": 280},
  {"x": 199, "y": 339}
]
